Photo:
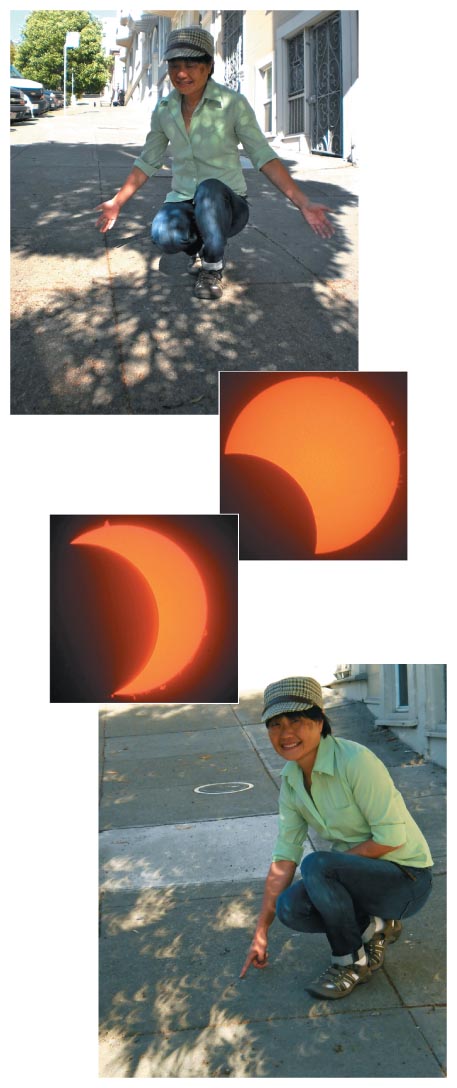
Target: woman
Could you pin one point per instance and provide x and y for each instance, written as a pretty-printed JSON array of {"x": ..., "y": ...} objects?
[
  {"x": 378, "y": 869},
  {"x": 203, "y": 122}
]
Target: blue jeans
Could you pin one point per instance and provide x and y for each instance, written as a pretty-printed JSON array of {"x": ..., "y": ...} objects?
[
  {"x": 215, "y": 214},
  {"x": 338, "y": 893}
]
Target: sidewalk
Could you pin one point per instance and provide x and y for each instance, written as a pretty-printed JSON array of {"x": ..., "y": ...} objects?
[
  {"x": 182, "y": 878},
  {"x": 102, "y": 324}
]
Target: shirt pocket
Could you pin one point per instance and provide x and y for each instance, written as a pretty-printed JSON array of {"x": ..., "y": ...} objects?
[{"x": 346, "y": 822}]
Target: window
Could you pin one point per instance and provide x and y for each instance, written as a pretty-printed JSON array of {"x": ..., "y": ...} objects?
[
  {"x": 401, "y": 682},
  {"x": 232, "y": 47},
  {"x": 267, "y": 78},
  {"x": 296, "y": 82}
]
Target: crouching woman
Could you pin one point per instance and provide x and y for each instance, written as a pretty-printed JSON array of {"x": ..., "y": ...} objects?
[{"x": 378, "y": 868}]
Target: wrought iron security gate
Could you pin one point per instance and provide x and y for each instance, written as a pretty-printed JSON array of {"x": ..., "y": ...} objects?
[
  {"x": 232, "y": 47},
  {"x": 326, "y": 97}
]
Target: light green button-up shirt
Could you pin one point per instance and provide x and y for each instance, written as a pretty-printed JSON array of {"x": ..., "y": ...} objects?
[
  {"x": 222, "y": 120},
  {"x": 353, "y": 799}
]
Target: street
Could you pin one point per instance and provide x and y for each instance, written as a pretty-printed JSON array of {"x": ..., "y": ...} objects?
[
  {"x": 181, "y": 886},
  {"x": 103, "y": 324}
]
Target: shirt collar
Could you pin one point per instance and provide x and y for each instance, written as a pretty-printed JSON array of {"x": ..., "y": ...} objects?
[
  {"x": 325, "y": 759},
  {"x": 213, "y": 90}
]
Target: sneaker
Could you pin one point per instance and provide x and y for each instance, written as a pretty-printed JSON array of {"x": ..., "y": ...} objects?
[
  {"x": 194, "y": 265},
  {"x": 338, "y": 981},
  {"x": 209, "y": 284},
  {"x": 375, "y": 947}
]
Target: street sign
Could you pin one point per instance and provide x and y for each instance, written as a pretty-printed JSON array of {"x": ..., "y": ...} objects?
[{"x": 72, "y": 40}]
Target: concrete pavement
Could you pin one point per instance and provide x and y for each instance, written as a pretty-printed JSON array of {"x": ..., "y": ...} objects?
[
  {"x": 181, "y": 879},
  {"x": 105, "y": 325}
]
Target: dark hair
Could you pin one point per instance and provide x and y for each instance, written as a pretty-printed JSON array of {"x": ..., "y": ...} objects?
[
  {"x": 206, "y": 59},
  {"x": 315, "y": 713}
]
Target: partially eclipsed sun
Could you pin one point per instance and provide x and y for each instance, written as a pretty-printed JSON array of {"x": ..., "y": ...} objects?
[
  {"x": 335, "y": 442},
  {"x": 180, "y": 595}
]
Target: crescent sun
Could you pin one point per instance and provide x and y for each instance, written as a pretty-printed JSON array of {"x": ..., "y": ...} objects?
[
  {"x": 180, "y": 594},
  {"x": 335, "y": 442}
]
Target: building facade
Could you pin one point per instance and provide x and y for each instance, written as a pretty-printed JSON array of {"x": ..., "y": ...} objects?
[
  {"x": 113, "y": 50},
  {"x": 298, "y": 69},
  {"x": 410, "y": 699}
]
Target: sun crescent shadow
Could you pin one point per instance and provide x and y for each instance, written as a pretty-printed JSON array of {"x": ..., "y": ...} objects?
[
  {"x": 119, "y": 609},
  {"x": 276, "y": 517}
]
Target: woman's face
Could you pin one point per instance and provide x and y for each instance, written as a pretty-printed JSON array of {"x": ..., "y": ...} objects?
[
  {"x": 188, "y": 76},
  {"x": 294, "y": 736}
]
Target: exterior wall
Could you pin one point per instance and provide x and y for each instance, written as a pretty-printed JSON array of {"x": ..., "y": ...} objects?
[
  {"x": 422, "y": 722},
  {"x": 112, "y": 49},
  {"x": 258, "y": 52},
  {"x": 287, "y": 25},
  {"x": 212, "y": 21},
  {"x": 351, "y": 682}
]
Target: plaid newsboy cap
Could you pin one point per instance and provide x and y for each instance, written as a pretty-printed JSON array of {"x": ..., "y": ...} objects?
[
  {"x": 294, "y": 693},
  {"x": 190, "y": 41}
]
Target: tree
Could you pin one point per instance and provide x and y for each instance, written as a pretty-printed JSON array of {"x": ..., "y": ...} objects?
[{"x": 40, "y": 54}]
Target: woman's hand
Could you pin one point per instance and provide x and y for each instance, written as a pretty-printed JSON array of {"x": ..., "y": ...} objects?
[
  {"x": 316, "y": 218},
  {"x": 110, "y": 210},
  {"x": 258, "y": 954}
]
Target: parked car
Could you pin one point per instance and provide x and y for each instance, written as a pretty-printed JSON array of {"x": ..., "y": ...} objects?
[
  {"x": 50, "y": 97},
  {"x": 19, "y": 105},
  {"x": 32, "y": 89},
  {"x": 55, "y": 99}
]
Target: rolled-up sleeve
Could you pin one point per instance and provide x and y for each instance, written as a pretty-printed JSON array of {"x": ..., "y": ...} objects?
[
  {"x": 292, "y": 830},
  {"x": 380, "y": 802},
  {"x": 153, "y": 152},
  {"x": 251, "y": 136}
]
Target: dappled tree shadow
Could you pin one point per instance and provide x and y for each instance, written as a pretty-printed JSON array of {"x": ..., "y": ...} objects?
[
  {"x": 119, "y": 330},
  {"x": 172, "y": 1003}
]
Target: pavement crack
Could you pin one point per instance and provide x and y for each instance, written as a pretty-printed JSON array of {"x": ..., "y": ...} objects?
[
  {"x": 259, "y": 756},
  {"x": 102, "y": 753},
  {"x": 244, "y": 1020},
  {"x": 117, "y": 332}
]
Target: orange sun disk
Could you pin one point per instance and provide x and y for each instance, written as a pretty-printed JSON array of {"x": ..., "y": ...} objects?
[
  {"x": 335, "y": 442},
  {"x": 180, "y": 595}
]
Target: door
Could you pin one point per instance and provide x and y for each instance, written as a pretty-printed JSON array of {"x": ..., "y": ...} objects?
[{"x": 326, "y": 97}]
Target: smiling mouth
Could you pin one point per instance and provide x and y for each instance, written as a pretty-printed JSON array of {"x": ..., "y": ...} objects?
[{"x": 288, "y": 747}]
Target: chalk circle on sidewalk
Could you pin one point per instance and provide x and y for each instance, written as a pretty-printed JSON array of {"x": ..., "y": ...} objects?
[{"x": 224, "y": 787}]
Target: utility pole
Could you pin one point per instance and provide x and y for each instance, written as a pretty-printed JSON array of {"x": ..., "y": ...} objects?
[{"x": 71, "y": 42}]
